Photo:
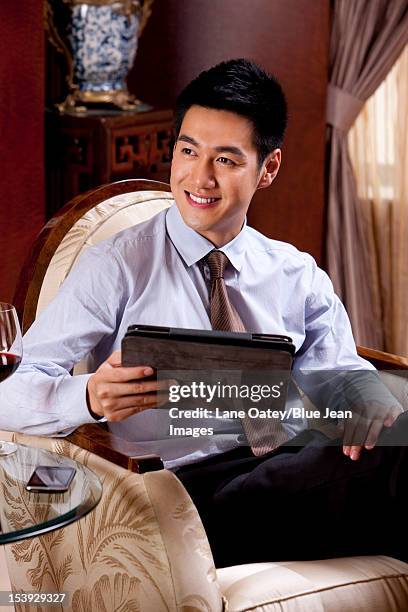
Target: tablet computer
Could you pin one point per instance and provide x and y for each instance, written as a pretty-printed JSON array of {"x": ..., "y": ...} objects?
[
  {"x": 169, "y": 348},
  {"x": 217, "y": 378}
]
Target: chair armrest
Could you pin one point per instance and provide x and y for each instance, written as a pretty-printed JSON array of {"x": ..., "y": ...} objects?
[
  {"x": 97, "y": 439},
  {"x": 383, "y": 361}
]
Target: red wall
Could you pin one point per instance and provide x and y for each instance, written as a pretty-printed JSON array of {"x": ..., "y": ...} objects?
[
  {"x": 289, "y": 38},
  {"x": 21, "y": 135}
]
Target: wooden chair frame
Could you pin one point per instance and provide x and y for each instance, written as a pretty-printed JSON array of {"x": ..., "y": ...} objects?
[{"x": 95, "y": 437}]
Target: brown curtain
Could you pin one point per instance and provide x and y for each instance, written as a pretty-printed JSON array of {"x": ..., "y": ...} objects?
[{"x": 367, "y": 38}]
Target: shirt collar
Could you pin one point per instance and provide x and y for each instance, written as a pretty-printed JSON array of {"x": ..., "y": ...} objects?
[{"x": 192, "y": 246}]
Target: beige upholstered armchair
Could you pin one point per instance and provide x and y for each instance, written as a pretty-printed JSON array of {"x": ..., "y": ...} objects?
[
  {"x": 130, "y": 553},
  {"x": 144, "y": 548}
]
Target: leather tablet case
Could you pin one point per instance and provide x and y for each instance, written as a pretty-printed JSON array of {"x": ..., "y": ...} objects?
[{"x": 165, "y": 348}]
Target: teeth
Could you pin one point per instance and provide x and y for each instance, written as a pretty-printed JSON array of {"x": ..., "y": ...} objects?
[{"x": 202, "y": 200}]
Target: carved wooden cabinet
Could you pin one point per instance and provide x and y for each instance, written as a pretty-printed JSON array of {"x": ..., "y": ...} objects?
[{"x": 86, "y": 151}]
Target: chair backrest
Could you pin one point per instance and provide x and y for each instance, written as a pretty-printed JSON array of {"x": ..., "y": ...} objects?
[{"x": 84, "y": 221}]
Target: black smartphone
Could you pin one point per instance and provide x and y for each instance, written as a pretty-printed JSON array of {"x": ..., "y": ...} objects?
[{"x": 51, "y": 479}]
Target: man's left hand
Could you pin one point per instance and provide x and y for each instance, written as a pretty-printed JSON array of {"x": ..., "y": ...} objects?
[{"x": 366, "y": 424}]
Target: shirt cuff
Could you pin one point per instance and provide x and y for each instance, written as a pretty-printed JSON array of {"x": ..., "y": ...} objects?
[{"x": 71, "y": 399}]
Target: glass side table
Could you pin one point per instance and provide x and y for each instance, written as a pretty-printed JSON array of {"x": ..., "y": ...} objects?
[{"x": 25, "y": 514}]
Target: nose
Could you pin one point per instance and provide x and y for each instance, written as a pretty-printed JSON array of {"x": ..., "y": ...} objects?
[{"x": 203, "y": 174}]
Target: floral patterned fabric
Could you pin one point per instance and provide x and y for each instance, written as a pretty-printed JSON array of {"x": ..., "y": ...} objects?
[{"x": 130, "y": 553}]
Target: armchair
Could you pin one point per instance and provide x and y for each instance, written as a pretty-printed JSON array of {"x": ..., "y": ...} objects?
[{"x": 144, "y": 547}]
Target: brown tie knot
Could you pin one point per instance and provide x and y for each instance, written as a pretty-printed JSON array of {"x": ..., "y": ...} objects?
[{"x": 216, "y": 260}]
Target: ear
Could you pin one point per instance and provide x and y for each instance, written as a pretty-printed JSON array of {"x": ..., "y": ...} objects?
[{"x": 270, "y": 169}]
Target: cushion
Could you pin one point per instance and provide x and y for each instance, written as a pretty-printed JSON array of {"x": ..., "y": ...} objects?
[
  {"x": 101, "y": 222},
  {"x": 349, "y": 584}
]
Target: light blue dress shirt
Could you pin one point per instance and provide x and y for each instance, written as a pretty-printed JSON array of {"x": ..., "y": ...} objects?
[{"x": 152, "y": 274}]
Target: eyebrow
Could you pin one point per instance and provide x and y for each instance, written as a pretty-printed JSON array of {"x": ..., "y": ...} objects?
[{"x": 219, "y": 149}]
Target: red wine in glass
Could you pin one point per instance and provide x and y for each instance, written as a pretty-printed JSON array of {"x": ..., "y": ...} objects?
[
  {"x": 11, "y": 352},
  {"x": 8, "y": 365}
]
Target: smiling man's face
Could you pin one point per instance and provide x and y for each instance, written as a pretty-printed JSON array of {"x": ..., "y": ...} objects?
[{"x": 215, "y": 172}]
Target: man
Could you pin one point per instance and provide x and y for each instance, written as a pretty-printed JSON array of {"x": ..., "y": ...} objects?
[{"x": 230, "y": 123}]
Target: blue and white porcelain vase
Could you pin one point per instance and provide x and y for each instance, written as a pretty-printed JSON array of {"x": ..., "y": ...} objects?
[{"x": 99, "y": 39}]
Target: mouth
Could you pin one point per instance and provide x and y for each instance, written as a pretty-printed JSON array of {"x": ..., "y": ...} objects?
[{"x": 199, "y": 201}]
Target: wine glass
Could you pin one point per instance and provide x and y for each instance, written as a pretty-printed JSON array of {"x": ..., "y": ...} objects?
[{"x": 11, "y": 352}]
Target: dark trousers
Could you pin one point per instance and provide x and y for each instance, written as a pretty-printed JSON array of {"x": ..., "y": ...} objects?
[{"x": 304, "y": 501}]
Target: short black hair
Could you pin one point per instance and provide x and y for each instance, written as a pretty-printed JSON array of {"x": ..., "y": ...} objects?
[{"x": 244, "y": 88}]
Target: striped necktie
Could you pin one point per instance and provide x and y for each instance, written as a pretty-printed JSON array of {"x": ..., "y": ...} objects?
[
  {"x": 222, "y": 313},
  {"x": 263, "y": 435}
]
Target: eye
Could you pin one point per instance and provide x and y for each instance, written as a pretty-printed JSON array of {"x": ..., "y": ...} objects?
[
  {"x": 226, "y": 161},
  {"x": 187, "y": 151}
]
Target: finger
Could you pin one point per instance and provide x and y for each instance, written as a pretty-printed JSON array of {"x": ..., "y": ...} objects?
[
  {"x": 392, "y": 415},
  {"x": 373, "y": 433},
  {"x": 121, "y": 389},
  {"x": 121, "y": 415},
  {"x": 356, "y": 429},
  {"x": 156, "y": 385},
  {"x": 116, "y": 412},
  {"x": 111, "y": 404},
  {"x": 114, "y": 408},
  {"x": 355, "y": 433},
  {"x": 162, "y": 398},
  {"x": 352, "y": 431},
  {"x": 353, "y": 452},
  {"x": 349, "y": 427},
  {"x": 125, "y": 374},
  {"x": 365, "y": 428}
]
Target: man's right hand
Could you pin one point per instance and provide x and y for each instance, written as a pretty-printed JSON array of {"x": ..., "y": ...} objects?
[{"x": 116, "y": 392}]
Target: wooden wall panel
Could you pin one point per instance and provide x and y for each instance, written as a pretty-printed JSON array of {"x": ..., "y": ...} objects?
[
  {"x": 21, "y": 135},
  {"x": 290, "y": 39}
]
